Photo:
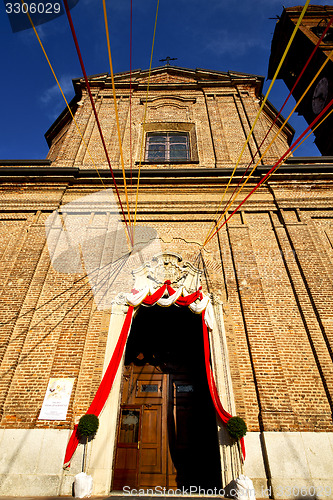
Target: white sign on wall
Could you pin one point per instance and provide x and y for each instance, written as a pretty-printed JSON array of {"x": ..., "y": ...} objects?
[{"x": 56, "y": 401}]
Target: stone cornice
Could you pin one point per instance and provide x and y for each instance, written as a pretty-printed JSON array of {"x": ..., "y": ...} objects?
[{"x": 307, "y": 169}]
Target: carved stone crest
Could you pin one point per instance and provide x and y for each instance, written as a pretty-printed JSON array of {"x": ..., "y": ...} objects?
[{"x": 167, "y": 266}]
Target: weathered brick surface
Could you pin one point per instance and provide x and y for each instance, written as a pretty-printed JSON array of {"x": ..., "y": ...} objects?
[
  {"x": 271, "y": 266},
  {"x": 222, "y": 117},
  {"x": 289, "y": 331}
]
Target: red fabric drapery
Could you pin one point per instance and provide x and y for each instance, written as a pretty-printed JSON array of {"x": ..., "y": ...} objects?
[
  {"x": 109, "y": 376},
  {"x": 105, "y": 386},
  {"x": 185, "y": 301},
  {"x": 222, "y": 413},
  {"x": 151, "y": 299}
]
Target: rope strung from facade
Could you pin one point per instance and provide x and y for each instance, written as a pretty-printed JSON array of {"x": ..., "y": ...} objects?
[
  {"x": 280, "y": 161},
  {"x": 304, "y": 139},
  {"x": 116, "y": 112},
  {"x": 130, "y": 95},
  {"x": 144, "y": 117},
  {"x": 63, "y": 95},
  {"x": 295, "y": 84},
  {"x": 234, "y": 197},
  {"x": 259, "y": 112},
  {"x": 69, "y": 17}
]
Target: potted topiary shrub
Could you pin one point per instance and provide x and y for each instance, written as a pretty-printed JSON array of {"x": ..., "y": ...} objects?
[
  {"x": 83, "y": 484},
  {"x": 236, "y": 427},
  {"x": 88, "y": 425}
]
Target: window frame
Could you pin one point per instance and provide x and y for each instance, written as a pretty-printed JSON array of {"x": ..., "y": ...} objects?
[{"x": 168, "y": 142}]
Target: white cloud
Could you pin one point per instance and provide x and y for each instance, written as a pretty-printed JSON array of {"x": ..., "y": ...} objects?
[
  {"x": 28, "y": 36},
  {"x": 224, "y": 43},
  {"x": 52, "y": 94},
  {"x": 52, "y": 100}
]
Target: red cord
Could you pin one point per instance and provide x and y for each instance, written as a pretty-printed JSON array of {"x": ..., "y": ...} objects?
[
  {"x": 279, "y": 113},
  {"x": 276, "y": 165},
  {"x": 298, "y": 78},
  {"x": 130, "y": 101},
  {"x": 69, "y": 17}
]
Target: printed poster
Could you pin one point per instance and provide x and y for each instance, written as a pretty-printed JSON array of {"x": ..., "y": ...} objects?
[{"x": 56, "y": 399}]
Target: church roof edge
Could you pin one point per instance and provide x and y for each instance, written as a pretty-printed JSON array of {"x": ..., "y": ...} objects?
[{"x": 195, "y": 73}]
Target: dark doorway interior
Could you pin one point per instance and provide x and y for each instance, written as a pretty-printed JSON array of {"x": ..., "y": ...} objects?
[{"x": 165, "y": 385}]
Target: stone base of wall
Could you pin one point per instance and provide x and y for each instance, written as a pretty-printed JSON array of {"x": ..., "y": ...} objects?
[
  {"x": 31, "y": 462},
  {"x": 299, "y": 464}
]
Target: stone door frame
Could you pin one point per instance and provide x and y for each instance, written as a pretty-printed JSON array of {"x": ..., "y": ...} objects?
[{"x": 102, "y": 449}]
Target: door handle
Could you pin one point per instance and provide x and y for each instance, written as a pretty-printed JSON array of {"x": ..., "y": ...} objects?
[{"x": 138, "y": 445}]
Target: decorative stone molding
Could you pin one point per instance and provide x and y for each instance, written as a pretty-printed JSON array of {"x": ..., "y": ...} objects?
[
  {"x": 173, "y": 97},
  {"x": 167, "y": 266},
  {"x": 120, "y": 299}
]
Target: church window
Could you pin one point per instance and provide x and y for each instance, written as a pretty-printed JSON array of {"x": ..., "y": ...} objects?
[
  {"x": 149, "y": 388},
  {"x": 185, "y": 388},
  {"x": 129, "y": 426},
  {"x": 167, "y": 146}
]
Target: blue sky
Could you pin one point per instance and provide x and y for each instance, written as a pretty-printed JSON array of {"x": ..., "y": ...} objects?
[{"x": 212, "y": 34}]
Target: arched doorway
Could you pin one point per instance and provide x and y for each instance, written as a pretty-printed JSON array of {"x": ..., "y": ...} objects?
[{"x": 167, "y": 434}]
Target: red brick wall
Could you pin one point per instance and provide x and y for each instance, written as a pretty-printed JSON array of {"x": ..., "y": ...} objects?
[{"x": 271, "y": 266}]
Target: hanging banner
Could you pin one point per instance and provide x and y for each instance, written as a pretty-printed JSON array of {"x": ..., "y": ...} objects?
[{"x": 56, "y": 401}]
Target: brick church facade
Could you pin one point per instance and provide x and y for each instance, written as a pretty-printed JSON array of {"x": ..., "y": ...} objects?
[{"x": 268, "y": 273}]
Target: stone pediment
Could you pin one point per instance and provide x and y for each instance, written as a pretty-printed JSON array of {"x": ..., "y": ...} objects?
[
  {"x": 170, "y": 75},
  {"x": 167, "y": 78},
  {"x": 173, "y": 74}
]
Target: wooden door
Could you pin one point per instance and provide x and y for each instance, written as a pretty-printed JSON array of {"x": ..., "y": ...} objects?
[
  {"x": 146, "y": 389},
  {"x": 174, "y": 443},
  {"x": 151, "y": 463},
  {"x": 165, "y": 377},
  {"x": 181, "y": 435},
  {"x": 128, "y": 444}
]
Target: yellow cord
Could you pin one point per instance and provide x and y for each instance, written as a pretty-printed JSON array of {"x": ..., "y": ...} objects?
[
  {"x": 144, "y": 118},
  {"x": 116, "y": 108},
  {"x": 298, "y": 145},
  {"x": 214, "y": 225},
  {"x": 272, "y": 141},
  {"x": 289, "y": 154},
  {"x": 71, "y": 113},
  {"x": 63, "y": 95}
]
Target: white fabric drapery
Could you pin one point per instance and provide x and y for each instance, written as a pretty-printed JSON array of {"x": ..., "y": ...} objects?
[{"x": 136, "y": 297}]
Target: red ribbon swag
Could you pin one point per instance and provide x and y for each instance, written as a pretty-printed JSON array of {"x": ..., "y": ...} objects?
[
  {"x": 222, "y": 413},
  {"x": 105, "y": 387}
]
